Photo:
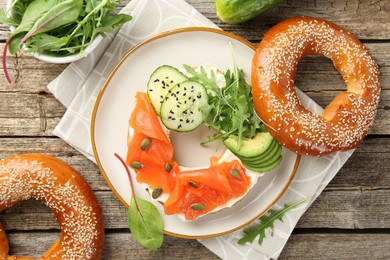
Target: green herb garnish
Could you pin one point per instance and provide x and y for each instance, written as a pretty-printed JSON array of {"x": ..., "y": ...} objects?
[
  {"x": 144, "y": 220},
  {"x": 58, "y": 27},
  {"x": 267, "y": 221},
  {"x": 230, "y": 109}
]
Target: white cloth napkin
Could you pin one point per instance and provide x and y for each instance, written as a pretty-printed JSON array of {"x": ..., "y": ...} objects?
[{"x": 78, "y": 86}]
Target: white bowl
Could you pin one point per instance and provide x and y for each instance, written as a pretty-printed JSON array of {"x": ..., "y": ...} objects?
[
  {"x": 69, "y": 58},
  {"x": 63, "y": 59}
]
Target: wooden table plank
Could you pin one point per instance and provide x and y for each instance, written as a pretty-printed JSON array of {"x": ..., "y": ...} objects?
[
  {"x": 341, "y": 209},
  {"x": 353, "y": 15},
  {"x": 120, "y": 245}
]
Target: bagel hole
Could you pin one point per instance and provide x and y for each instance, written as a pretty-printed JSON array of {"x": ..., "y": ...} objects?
[
  {"x": 188, "y": 149},
  {"x": 319, "y": 79},
  {"x": 18, "y": 222}
]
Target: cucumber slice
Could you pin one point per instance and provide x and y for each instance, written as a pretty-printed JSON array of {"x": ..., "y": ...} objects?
[
  {"x": 250, "y": 147},
  {"x": 180, "y": 110},
  {"x": 161, "y": 80}
]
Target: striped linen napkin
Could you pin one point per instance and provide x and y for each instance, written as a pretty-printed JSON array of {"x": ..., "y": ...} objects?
[{"x": 79, "y": 84}]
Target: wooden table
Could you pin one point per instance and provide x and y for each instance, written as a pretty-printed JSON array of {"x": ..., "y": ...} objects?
[{"x": 350, "y": 219}]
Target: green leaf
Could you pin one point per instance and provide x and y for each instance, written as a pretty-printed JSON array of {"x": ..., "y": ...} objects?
[
  {"x": 7, "y": 20},
  {"x": 115, "y": 21},
  {"x": 64, "y": 13},
  {"x": 145, "y": 223},
  {"x": 14, "y": 44},
  {"x": 33, "y": 12},
  {"x": 267, "y": 221},
  {"x": 44, "y": 42}
]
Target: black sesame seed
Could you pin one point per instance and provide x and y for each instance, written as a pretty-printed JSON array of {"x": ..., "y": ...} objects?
[{"x": 156, "y": 80}]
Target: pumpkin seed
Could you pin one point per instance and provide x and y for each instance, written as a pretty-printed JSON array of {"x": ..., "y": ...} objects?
[
  {"x": 198, "y": 206},
  {"x": 235, "y": 173},
  {"x": 156, "y": 192},
  {"x": 193, "y": 184},
  {"x": 168, "y": 167},
  {"x": 145, "y": 143},
  {"x": 136, "y": 165}
]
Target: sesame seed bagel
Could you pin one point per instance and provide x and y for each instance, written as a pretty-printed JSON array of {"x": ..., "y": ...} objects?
[
  {"x": 61, "y": 188},
  {"x": 345, "y": 121}
]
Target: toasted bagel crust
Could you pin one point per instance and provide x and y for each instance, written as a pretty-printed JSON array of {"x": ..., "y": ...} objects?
[
  {"x": 62, "y": 189},
  {"x": 346, "y": 120}
]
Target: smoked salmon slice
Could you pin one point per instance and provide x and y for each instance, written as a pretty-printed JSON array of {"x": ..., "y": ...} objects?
[
  {"x": 144, "y": 119},
  {"x": 209, "y": 193},
  {"x": 190, "y": 192}
]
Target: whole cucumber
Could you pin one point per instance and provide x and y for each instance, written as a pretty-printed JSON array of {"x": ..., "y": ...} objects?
[{"x": 238, "y": 11}]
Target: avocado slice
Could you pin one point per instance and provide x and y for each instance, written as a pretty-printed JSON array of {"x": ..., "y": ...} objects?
[
  {"x": 250, "y": 147},
  {"x": 264, "y": 156},
  {"x": 271, "y": 158},
  {"x": 266, "y": 168}
]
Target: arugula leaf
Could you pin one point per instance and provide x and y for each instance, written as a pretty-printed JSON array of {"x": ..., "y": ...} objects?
[
  {"x": 267, "y": 221},
  {"x": 230, "y": 109},
  {"x": 144, "y": 219},
  {"x": 7, "y": 20},
  {"x": 45, "y": 41}
]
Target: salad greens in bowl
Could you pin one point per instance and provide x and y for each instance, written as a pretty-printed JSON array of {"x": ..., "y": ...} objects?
[{"x": 59, "y": 31}]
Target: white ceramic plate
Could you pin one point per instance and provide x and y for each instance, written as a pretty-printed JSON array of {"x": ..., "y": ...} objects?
[{"x": 192, "y": 46}]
